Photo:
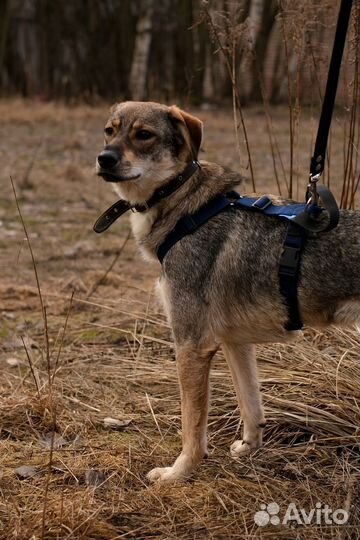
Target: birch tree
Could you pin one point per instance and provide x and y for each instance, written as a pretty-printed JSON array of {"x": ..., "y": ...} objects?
[{"x": 139, "y": 67}]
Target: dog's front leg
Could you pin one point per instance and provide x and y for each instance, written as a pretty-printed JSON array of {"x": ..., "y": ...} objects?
[
  {"x": 193, "y": 366},
  {"x": 241, "y": 360}
]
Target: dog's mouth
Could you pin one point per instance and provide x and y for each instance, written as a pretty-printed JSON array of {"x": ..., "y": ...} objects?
[{"x": 109, "y": 177}]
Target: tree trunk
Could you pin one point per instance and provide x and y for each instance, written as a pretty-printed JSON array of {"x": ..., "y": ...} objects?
[
  {"x": 208, "y": 90},
  {"x": 4, "y": 25},
  {"x": 247, "y": 68},
  {"x": 265, "y": 18},
  {"x": 139, "y": 67},
  {"x": 26, "y": 45}
]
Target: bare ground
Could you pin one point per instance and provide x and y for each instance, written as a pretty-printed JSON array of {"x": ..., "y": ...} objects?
[{"x": 86, "y": 480}]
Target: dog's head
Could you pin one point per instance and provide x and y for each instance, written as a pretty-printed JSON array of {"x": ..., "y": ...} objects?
[{"x": 146, "y": 144}]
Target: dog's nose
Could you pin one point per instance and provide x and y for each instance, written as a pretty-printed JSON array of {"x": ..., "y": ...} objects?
[{"x": 108, "y": 159}]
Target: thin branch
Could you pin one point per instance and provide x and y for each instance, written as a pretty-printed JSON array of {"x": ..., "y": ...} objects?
[
  {"x": 62, "y": 337},
  {"x": 43, "y": 311},
  {"x": 47, "y": 351},
  {"x": 31, "y": 367},
  {"x": 291, "y": 119}
]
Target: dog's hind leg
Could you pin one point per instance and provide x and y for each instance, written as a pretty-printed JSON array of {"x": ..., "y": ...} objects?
[
  {"x": 193, "y": 366},
  {"x": 242, "y": 363}
]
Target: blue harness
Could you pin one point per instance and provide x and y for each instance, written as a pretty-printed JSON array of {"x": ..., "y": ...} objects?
[
  {"x": 290, "y": 259},
  {"x": 301, "y": 218}
]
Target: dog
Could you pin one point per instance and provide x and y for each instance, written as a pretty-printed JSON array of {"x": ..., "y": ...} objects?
[{"x": 220, "y": 285}]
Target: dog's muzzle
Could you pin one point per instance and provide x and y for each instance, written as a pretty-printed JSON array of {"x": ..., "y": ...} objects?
[{"x": 108, "y": 159}]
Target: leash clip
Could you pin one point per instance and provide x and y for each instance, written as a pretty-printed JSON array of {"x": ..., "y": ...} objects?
[
  {"x": 314, "y": 178},
  {"x": 312, "y": 196}
]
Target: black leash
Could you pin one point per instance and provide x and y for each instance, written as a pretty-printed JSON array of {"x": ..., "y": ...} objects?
[
  {"x": 318, "y": 159},
  {"x": 296, "y": 230}
]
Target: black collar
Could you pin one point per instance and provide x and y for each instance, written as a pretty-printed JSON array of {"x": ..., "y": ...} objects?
[{"x": 120, "y": 207}]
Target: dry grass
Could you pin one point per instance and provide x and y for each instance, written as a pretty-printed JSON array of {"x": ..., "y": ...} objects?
[
  {"x": 310, "y": 455},
  {"x": 117, "y": 361}
]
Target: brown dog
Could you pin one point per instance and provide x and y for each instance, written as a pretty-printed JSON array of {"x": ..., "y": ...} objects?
[{"x": 219, "y": 285}]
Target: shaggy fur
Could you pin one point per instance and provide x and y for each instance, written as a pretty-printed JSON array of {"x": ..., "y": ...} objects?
[{"x": 220, "y": 285}]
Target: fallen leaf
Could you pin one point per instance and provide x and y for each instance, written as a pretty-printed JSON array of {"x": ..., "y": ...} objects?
[
  {"x": 54, "y": 439},
  {"x": 17, "y": 343},
  {"x": 115, "y": 423},
  {"x": 13, "y": 362},
  {"x": 8, "y": 315},
  {"x": 94, "y": 477},
  {"x": 78, "y": 440},
  {"x": 26, "y": 471}
]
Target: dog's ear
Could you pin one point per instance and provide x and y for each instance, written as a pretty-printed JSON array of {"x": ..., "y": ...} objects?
[{"x": 190, "y": 127}]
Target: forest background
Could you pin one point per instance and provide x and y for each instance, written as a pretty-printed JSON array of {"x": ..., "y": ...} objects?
[{"x": 168, "y": 49}]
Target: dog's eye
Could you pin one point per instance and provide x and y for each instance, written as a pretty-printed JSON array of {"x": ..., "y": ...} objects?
[
  {"x": 109, "y": 131},
  {"x": 144, "y": 135}
]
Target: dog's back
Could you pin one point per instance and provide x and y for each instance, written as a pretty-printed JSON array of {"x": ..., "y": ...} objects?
[{"x": 226, "y": 273}]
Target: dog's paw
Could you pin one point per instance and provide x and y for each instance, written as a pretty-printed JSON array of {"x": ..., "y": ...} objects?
[
  {"x": 164, "y": 474},
  {"x": 240, "y": 448}
]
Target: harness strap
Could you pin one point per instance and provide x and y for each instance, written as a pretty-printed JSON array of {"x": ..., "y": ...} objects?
[
  {"x": 289, "y": 273},
  {"x": 289, "y": 263},
  {"x": 191, "y": 222},
  {"x": 304, "y": 215}
]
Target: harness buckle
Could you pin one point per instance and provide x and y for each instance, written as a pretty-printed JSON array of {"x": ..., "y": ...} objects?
[{"x": 262, "y": 202}]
